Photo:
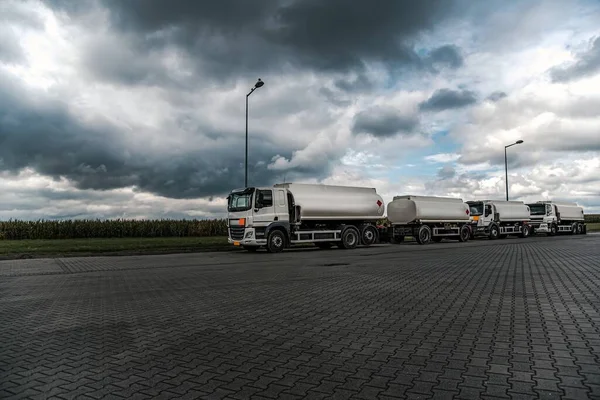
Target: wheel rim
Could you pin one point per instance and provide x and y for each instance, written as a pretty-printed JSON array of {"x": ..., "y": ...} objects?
[
  {"x": 494, "y": 232},
  {"x": 277, "y": 241},
  {"x": 351, "y": 238}
]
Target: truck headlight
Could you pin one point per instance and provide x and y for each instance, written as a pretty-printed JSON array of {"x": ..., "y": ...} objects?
[{"x": 249, "y": 234}]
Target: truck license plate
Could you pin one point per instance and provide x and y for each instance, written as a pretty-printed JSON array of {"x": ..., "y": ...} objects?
[{"x": 236, "y": 243}]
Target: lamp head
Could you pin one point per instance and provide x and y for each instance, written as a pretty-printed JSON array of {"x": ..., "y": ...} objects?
[
  {"x": 259, "y": 83},
  {"x": 519, "y": 141}
]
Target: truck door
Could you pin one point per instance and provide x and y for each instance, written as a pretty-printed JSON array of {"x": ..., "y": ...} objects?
[
  {"x": 488, "y": 215},
  {"x": 264, "y": 210},
  {"x": 281, "y": 206}
]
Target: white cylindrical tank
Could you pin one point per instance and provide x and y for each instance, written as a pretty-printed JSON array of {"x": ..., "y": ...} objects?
[
  {"x": 407, "y": 209},
  {"x": 512, "y": 210},
  {"x": 570, "y": 211},
  {"x": 327, "y": 202}
]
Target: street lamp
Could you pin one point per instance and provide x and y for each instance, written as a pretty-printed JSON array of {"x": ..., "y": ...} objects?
[
  {"x": 258, "y": 84},
  {"x": 506, "y": 164}
]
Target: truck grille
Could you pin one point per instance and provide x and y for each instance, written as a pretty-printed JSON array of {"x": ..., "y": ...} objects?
[{"x": 236, "y": 233}]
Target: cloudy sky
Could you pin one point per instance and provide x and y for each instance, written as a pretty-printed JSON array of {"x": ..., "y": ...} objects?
[{"x": 112, "y": 108}]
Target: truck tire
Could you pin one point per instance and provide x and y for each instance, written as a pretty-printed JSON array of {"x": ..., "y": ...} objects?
[
  {"x": 525, "y": 231},
  {"x": 368, "y": 235},
  {"x": 574, "y": 230},
  {"x": 580, "y": 229},
  {"x": 276, "y": 241},
  {"x": 464, "y": 234},
  {"x": 350, "y": 237},
  {"x": 553, "y": 230},
  {"x": 423, "y": 234},
  {"x": 494, "y": 232},
  {"x": 584, "y": 227}
]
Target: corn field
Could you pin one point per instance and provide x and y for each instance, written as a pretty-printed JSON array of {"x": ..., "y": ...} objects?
[
  {"x": 118, "y": 228},
  {"x": 592, "y": 218}
]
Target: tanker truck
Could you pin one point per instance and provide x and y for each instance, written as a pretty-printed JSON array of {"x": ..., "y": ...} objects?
[
  {"x": 428, "y": 218},
  {"x": 498, "y": 219},
  {"x": 551, "y": 218},
  {"x": 288, "y": 214}
]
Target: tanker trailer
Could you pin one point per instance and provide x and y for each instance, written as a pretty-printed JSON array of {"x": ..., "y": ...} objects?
[
  {"x": 498, "y": 219},
  {"x": 552, "y": 217},
  {"x": 428, "y": 218},
  {"x": 288, "y": 214}
]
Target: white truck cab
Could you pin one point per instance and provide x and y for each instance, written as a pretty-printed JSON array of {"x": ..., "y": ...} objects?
[{"x": 554, "y": 217}]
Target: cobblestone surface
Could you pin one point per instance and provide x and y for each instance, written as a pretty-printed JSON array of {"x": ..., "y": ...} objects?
[{"x": 514, "y": 318}]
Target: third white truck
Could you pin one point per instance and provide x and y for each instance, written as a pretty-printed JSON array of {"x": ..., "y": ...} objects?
[
  {"x": 553, "y": 217},
  {"x": 498, "y": 219}
]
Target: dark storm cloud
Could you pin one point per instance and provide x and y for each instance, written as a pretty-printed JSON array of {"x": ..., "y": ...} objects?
[
  {"x": 587, "y": 64},
  {"x": 495, "y": 96},
  {"x": 447, "y": 54},
  {"x": 43, "y": 135},
  {"x": 445, "y": 99},
  {"x": 230, "y": 38},
  {"x": 383, "y": 122}
]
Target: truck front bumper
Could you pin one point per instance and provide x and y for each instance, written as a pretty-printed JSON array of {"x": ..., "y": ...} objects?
[
  {"x": 248, "y": 239},
  {"x": 541, "y": 228}
]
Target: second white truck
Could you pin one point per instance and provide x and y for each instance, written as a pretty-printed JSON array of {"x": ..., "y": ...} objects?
[
  {"x": 498, "y": 219},
  {"x": 428, "y": 218},
  {"x": 553, "y": 217}
]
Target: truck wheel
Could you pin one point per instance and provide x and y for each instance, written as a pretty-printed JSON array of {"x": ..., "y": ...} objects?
[
  {"x": 251, "y": 249},
  {"x": 580, "y": 229},
  {"x": 424, "y": 235},
  {"x": 494, "y": 232},
  {"x": 553, "y": 230},
  {"x": 574, "y": 229},
  {"x": 465, "y": 234},
  {"x": 350, "y": 237},
  {"x": 584, "y": 229},
  {"x": 525, "y": 231},
  {"x": 276, "y": 242},
  {"x": 368, "y": 235}
]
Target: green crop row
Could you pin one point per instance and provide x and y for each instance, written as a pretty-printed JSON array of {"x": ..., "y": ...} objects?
[
  {"x": 121, "y": 228},
  {"x": 118, "y": 228}
]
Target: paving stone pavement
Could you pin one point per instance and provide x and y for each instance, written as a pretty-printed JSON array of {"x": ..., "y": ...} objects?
[{"x": 513, "y": 318}]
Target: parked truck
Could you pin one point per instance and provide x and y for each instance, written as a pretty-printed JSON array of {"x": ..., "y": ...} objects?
[
  {"x": 553, "y": 217},
  {"x": 428, "y": 218},
  {"x": 293, "y": 213},
  {"x": 498, "y": 219}
]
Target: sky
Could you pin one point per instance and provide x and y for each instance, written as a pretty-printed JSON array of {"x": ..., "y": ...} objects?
[{"x": 136, "y": 109}]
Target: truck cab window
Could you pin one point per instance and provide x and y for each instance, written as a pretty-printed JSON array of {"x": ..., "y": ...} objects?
[
  {"x": 488, "y": 210},
  {"x": 264, "y": 198}
]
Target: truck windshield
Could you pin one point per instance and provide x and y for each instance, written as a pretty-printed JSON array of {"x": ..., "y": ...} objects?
[
  {"x": 537, "y": 209},
  {"x": 240, "y": 201},
  {"x": 476, "y": 209}
]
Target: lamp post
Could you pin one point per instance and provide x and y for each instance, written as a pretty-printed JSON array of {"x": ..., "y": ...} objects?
[
  {"x": 258, "y": 84},
  {"x": 506, "y": 164}
]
